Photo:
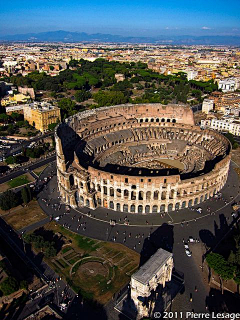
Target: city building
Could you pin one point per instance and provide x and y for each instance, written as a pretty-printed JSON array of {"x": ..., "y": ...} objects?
[
  {"x": 41, "y": 115},
  {"x": 15, "y": 99},
  {"x": 228, "y": 85},
  {"x": 207, "y": 105},
  {"x": 230, "y": 125},
  {"x": 139, "y": 159}
]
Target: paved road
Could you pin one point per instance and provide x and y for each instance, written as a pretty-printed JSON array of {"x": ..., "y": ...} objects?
[
  {"x": 29, "y": 167},
  {"x": 166, "y": 232}
]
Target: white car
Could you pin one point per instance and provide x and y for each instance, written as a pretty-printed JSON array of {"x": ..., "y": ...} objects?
[
  {"x": 188, "y": 252},
  {"x": 191, "y": 239}
]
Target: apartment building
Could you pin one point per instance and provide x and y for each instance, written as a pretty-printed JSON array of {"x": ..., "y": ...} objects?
[
  {"x": 40, "y": 115},
  {"x": 230, "y": 125}
]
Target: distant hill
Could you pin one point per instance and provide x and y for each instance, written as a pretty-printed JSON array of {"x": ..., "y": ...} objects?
[{"x": 65, "y": 36}]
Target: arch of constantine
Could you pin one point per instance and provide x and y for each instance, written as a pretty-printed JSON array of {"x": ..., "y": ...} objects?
[{"x": 139, "y": 159}]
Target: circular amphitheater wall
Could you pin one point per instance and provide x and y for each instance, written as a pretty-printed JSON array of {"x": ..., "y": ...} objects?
[{"x": 139, "y": 158}]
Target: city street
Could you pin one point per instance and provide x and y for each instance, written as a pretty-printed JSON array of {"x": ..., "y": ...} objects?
[{"x": 146, "y": 233}]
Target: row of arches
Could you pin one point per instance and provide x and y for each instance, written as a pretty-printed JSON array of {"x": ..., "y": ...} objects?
[
  {"x": 157, "y": 120},
  {"x": 135, "y": 208}
]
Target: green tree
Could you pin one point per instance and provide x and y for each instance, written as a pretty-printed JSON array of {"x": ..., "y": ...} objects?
[
  {"x": 50, "y": 251},
  {"x": 10, "y": 160},
  {"x": 25, "y": 196},
  {"x": 67, "y": 106},
  {"x": 8, "y": 200},
  {"x": 9, "y": 285},
  {"x": 82, "y": 95},
  {"x": 222, "y": 267}
]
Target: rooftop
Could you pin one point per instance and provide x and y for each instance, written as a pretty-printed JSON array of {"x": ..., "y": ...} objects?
[{"x": 152, "y": 266}]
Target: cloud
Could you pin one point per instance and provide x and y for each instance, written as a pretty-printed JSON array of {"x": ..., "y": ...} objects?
[{"x": 206, "y": 28}]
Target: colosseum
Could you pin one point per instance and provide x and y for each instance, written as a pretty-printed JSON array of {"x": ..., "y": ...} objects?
[{"x": 139, "y": 158}]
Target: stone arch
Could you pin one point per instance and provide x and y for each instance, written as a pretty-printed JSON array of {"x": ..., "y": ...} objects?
[
  {"x": 163, "y": 195},
  {"x": 177, "y": 206},
  {"x": 125, "y": 208},
  {"x": 81, "y": 200},
  {"x": 111, "y": 192},
  {"x": 147, "y": 209},
  {"x": 155, "y": 195},
  {"x": 111, "y": 205},
  {"x": 126, "y": 193},
  {"x": 171, "y": 194},
  {"x": 190, "y": 203},
  {"x": 148, "y": 195},
  {"x": 140, "y": 195},
  {"x": 154, "y": 209},
  {"x": 140, "y": 209},
  {"x": 132, "y": 208},
  {"x": 118, "y": 207},
  {"x": 133, "y": 195},
  {"x": 162, "y": 208}
]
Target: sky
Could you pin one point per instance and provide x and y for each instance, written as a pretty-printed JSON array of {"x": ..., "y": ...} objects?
[{"x": 131, "y": 17}]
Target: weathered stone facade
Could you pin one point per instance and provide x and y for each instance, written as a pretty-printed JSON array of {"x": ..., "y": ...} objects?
[
  {"x": 139, "y": 159},
  {"x": 149, "y": 281}
]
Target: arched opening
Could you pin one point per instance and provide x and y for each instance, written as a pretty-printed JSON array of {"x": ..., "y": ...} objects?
[
  {"x": 163, "y": 195},
  {"x": 184, "y": 204},
  {"x": 71, "y": 180},
  {"x": 171, "y": 194},
  {"x": 118, "y": 207},
  {"x": 126, "y": 194},
  {"x": 140, "y": 209},
  {"x": 87, "y": 203},
  {"x": 201, "y": 199},
  {"x": 177, "y": 206},
  {"x": 174, "y": 120},
  {"x": 111, "y": 204},
  {"x": 168, "y": 120},
  {"x": 195, "y": 201},
  {"x": 162, "y": 208},
  {"x": 206, "y": 196},
  {"x": 111, "y": 192},
  {"x": 99, "y": 201},
  {"x": 132, "y": 208},
  {"x": 81, "y": 200},
  {"x": 157, "y": 120},
  {"x": 152, "y": 120},
  {"x": 148, "y": 195},
  {"x": 190, "y": 203},
  {"x": 125, "y": 208},
  {"x": 140, "y": 195},
  {"x": 155, "y": 209},
  {"x": 155, "y": 195},
  {"x": 105, "y": 190},
  {"x": 162, "y": 120},
  {"x": 170, "y": 207},
  {"x": 133, "y": 195},
  {"x": 146, "y": 120},
  {"x": 147, "y": 209}
]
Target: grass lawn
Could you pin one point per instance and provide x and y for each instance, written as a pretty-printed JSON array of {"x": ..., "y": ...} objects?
[
  {"x": 21, "y": 217},
  {"x": 16, "y": 182},
  {"x": 106, "y": 267},
  {"x": 39, "y": 170}
]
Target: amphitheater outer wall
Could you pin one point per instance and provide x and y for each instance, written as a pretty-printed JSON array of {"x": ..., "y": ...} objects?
[{"x": 95, "y": 187}]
